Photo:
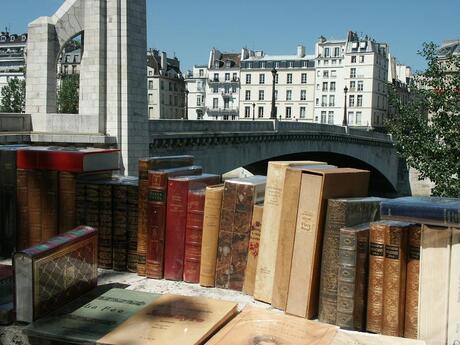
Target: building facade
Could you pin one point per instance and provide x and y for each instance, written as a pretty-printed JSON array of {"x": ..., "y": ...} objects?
[
  {"x": 196, "y": 85},
  {"x": 12, "y": 57}
]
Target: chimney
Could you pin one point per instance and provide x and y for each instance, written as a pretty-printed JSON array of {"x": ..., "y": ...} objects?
[
  {"x": 300, "y": 51},
  {"x": 164, "y": 62}
]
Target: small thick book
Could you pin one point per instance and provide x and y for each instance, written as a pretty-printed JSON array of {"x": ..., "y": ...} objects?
[
  {"x": 89, "y": 317},
  {"x": 55, "y": 272},
  {"x": 173, "y": 319},
  {"x": 423, "y": 210},
  {"x": 263, "y": 327}
]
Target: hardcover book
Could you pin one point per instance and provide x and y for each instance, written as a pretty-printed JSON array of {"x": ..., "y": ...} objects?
[
  {"x": 316, "y": 188},
  {"x": 211, "y": 220},
  {"x": 23, "y": 233},
  {"x": 132, "y": 204},
  {"x": 259, "y": 327},
  {"x": 173, "y": 320},
  {"x": 340, "y": 213},
  {"x": 453, "y": 331},
  {"x": 412, "y": 282},
  {"x": 176, "y": 220},
  {"x": 55, "y": 272},
  {"x": 6, "y": 284},
  {"x": 67, "y": 201},
  {"x": 120, "y": 226},
  {"x": 423, "y": 210},
  {"x": 105, "y": 238},
  {"x": 238, "y": 201}
]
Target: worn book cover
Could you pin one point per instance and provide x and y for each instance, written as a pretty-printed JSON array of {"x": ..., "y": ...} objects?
[
  {"x": 173, "y": 319},
  {"x": 105, "y": 241},
  {"x": 67, "y": 206},
  {"x": 132, "y": 204},
  {"x": 238, "y": 201},
  {"x": 55, "y": 272},
  {"x": 211, "y": 223},
  {"x": 263, "y": 327},
  {"x": 317, "y": 187},
  {"x": 412, "y": 282},
  {"x": 340, "y": 213},
  {"x": 120, "y": 226}
]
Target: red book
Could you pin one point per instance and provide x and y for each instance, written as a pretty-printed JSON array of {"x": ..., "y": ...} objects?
[
  {"x": 68, "y": 159},
  {"x": 176, "y": 219},
  {"x": 157, "y": 193},
  {"x": 194, "y": 235}
]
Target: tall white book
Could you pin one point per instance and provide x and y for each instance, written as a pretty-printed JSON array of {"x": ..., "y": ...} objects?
[{"x": 453, "y": 330}]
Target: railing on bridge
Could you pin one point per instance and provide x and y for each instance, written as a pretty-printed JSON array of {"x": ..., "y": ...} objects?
[{"x": 10, "y": 122}]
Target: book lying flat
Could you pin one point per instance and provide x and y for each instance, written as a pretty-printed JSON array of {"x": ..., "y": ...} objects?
[{"x": 358, "y": 338}]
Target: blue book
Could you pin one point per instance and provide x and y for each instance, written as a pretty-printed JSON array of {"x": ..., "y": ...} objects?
[{"x": 423, "y": 210}]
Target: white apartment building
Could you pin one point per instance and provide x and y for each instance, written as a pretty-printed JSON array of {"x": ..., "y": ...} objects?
[
  {"x": 196, "y": 84},
  {"x": 361, "y": 66},
  {"x": 294, "y": 85}
]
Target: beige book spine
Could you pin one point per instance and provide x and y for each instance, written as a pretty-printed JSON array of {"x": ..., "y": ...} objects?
[
  {"x": 253, "y": 250},
  {"x": 453, "y": 331},
  {"x": 302, "y": 271},
  {"x": 212, "y": 207},
  {"x": 434, "y": 284}
]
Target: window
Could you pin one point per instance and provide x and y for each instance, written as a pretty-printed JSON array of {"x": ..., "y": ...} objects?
[
  {"x": 289, "y": 78},
  {"x": 201, "y": 72},
  {"x": 247, "y": 112},
  {"x": 325, "y": 74},
  {"x": 260, "y": 112},
  {"x": 291, "y": 64},
  {"x": 361, "y": 58},
  {"x": 162, "y": 84},
  {"x": 352, "y": 72},
  {"x": 359, "y": 101},
  {"x": 175, "y": 101},
  {"x": 351, "y": 101},
  {"x": 248, "y": 79},
  {"x": 150, "y": 98},
  {"x": 216, "y": 76},
  {"x": 304, "y": 78},
  {"x": 261, "y": 95},
  {"x": 330, "y": 118},
  {"x": 302, "y": 112},
  {"x": 226, "y": 103},
  {"x": 288, "y": 112},
  {"x": 175, "y": 87},
  {"x": 317, "y": 87},
  {"x": 350, "y": 117},
  {"x": 336, "y": 51},
  {"x": 247, "y": 96},
  {"x": 150, "y": 112},
  {"x": 323, "y": 117},
  {"x": 170, "y": 100},
  {"x": 303, "y": 95},
  {"x": 332, "y": 86},
  {"x": 358, "y": 118},
  {"x": 170, "y": 86},
  {"x": 277, "y": 64},
  {"x": 326, "y": 52},
  {"x": 215, "y": 89},
  {"x": 288, "y": 95},
  {"x": 352, "y": 85},
  {"x": 227, "y": 89},
  {"x": 360, "y": 85},
  {"x": 215, "y": 103},
  {"x": 234, "y": 88},
  {"x": 324, "y": 85},
  {"x": 353, "y": 59},
  {"x": 317, "y": 101},
  {"x": 235, "y": 77},
  {"x": 324, "y": 101},
  {"x": 198, "y": 101},
  {"x": 227, "y": 76},
  {"x": 150, "y": 84},
  {"x": 332, "y": 101},
  {"x": 262, "y": 78},
  {"x": 333, "y": 73}
]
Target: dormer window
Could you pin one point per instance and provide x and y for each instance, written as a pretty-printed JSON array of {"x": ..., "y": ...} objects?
[
  {"x": 2, "y": 38},
  {"x": 12, "y": 38},
  {"x": 228, "y": 63}
]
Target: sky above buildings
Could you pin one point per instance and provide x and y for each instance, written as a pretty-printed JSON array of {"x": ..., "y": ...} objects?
[{"x": 190, "y": 28}]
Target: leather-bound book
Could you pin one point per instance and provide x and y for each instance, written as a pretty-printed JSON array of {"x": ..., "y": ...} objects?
[
  {"x": 67, "y": 201},
  {"x": 394, "y": 281},
  {"x": 412, "y": 282},
  {"x": 132, "y": 205},
  {"x": 50, "y": 275},
  {"x": 253, "y": 250},
  {"x": 157, "y": 196},
  {"x": 22, "y": 198},
  {"x": 352, "y": 278},
  {"x": 376, "y": 274},
  {"x": 238, "y": 201},
  {"x": 105, "y": 241},
  {"x": 146, "y": 164},
  {"x": 194, "y": 235},
  {"x": 34, "y": 182},
  {"x": 49, "y": 204},
  {"x": 317, "y": 187},
  {"x": 340, "y": 213},
  {"x": 120, "y": 226},
  {"x": 92, "y": 205},
  {"x": 176, "y": 219},
  {"x": 211, "y": 222},
  {"x": 80, "y": 202}
]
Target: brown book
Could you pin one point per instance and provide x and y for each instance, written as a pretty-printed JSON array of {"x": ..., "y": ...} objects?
[
  {"x": 376, "y": 273},
  {"x": 340, "y": 213},
  {"x": 394, "y": 280},
  {"x": 316, "y": 188},
  {"x": 132, "y": 205},
  {"x": 412, "y": 282},
  {"x": 34, "y": 182},
  {"x": 238, "y": 201},
  {"x": 173, "y": 319},
  {"x": 92, "y": 205},
  {"x": 120, "y": 226},
  {"x": 49, "y": 204},
  {"x": 253, "y": 250},
  {"x": 80, "y": 202},
  {"x": 259, "y": 327},
  {"x": 105, "y": 241},
  {"x": 22, "y": 197},
  {"x": 211, "y": 220},
  {"x": 146, "y": 164},
  {"x": 67, "y": 201},
  {"x": 352, "y": 278}
]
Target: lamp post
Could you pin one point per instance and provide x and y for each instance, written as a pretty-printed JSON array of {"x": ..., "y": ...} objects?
[
  {"x": 345, "y": 122},
  {"x": 273, "y": 112},
  {"x": 186, "y": 104},
  {"x": 253, "y": 111}
]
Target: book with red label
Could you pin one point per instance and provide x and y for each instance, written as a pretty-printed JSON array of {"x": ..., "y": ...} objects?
[
  {"x": 176, "y": 219},
  {"x": 157, "y": 194},
  {"x": 70, "y": 159},
  {"x": 194, "y": 235}
]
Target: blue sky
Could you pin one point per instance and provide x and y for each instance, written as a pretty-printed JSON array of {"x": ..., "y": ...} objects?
[{"x": 190, "y": 28}]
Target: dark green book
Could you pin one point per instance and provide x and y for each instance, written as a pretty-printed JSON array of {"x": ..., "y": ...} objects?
[{"x": 89, "y": 318}]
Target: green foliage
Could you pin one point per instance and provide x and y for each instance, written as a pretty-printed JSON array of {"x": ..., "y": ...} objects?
[
  {"x": 14, "y": 96},
  {"x": 68, "y": 94},
  {"x": 427, "y": 128}
]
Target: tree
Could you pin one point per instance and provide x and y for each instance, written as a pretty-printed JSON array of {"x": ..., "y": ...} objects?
[
  {"x": 13, "y": 96},
  {"x": 426, "y": 129},
  {"x": 68, "y": 94}
]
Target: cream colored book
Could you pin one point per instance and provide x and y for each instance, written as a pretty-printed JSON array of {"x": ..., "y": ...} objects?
[
  {"x": 453, "y": 330},
  {"x": 357, "y": 338},
  {"x": 434, "y": 284},
  {"x": 173, "y": 319},
  {"x": 274, "y": 191}
]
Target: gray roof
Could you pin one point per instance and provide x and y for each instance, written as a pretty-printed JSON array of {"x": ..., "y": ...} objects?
[{"x": 449, "y": 48}]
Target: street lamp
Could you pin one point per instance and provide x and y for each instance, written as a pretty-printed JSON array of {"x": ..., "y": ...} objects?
[
  {"x": 186, "y": 104},
  {"x": 253, "y": 111},
  {"x": 273, "y": 113},
  {"x": 345, "y": 122}
]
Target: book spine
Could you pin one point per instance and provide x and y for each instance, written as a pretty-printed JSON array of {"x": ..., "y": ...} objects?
[
  {"x": 133, "y": 199},
  {"x": 34, "y": 178},
  {"x": 412, "y": 283},
  {"x": 22, "y": 209},
  {"x": 105, "y": 259},
  {"x": 394, "y": 281},
  {"x": 120, "y": 227},
  {"x": 335, "y": 219},
  {"x": 8, "y": 202},
  {"x": 80, "y": 203},
  {"x": 67, "y": 201},
  {"x": 253, "y": 250},
  {"x": 224, "y": 247},
  {"x": 194, "y": 235},
  {"x": 92, "y": 205},
  {"x": 157, "y": 194},
  {"x": 376, "y": 273},
  {"x": 142, "y": 225},
  {"x": 176, "y": 218},
  {"x": 362, "y": 276},
  {"x": 453, "y": 331},
  {"x": 49, "y": 204},
  {"x": 212, "y": 208}
]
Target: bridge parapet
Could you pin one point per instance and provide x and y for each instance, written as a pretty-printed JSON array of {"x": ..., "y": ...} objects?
[{"x": 10, "y": 122}]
